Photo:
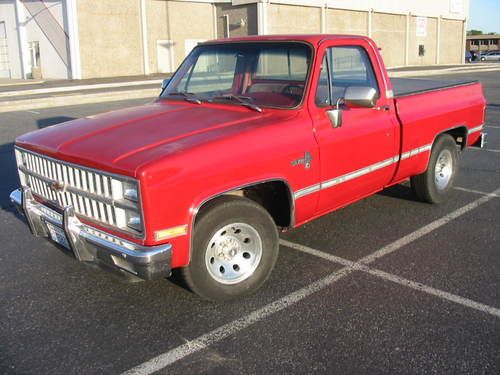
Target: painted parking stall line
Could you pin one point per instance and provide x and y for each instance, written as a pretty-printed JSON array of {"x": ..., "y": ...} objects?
[
  {"x": 396, "y": 245},
  {"x": 231, "y": 328},
  {"x": 394, "y": 278},
  {"x": 473, "y": 191},
  {"x": 484, "y": 149},
  {"x": 218, "y": 334}
]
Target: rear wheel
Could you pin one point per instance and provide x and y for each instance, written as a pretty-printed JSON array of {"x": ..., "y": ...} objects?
[
  {"x": 435, "y": 183},
  {"x": 235, "y": 247}
]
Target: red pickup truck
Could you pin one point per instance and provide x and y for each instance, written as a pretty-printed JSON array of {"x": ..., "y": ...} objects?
[{"x": 249, "y": 136}]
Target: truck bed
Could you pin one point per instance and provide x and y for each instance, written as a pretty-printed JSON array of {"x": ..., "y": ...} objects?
[
  {"x": 412, "y": 86},
  {"x": 426, "y": 108}
]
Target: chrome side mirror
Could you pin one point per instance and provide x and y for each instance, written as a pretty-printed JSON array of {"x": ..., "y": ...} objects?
[
  {"x": 335, "y": 114},
  {"x": 360, "y": 96}
]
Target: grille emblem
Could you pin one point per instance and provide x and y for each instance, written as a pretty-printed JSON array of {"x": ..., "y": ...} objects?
[{"x": 57, "y": 186}]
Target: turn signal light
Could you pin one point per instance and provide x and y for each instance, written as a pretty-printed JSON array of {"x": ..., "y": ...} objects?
[{"x": 171, "y": 232}]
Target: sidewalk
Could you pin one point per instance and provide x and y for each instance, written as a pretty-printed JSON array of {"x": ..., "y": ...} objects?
[{"x": 20, "y": 95}]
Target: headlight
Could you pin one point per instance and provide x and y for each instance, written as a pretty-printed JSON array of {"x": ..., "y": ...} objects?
[
  {"x": 134, "y": 220},
  {"x": 127, "y": 204},
  {"x": 130, "y": 192}
]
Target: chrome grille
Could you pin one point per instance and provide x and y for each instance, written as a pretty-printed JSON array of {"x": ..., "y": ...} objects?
[{"x": 93, "y": 194}]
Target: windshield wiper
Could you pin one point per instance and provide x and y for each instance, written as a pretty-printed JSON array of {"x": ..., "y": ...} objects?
[
  {"x": 188, "y": 96},
  {"x": 243, "y": 100}
]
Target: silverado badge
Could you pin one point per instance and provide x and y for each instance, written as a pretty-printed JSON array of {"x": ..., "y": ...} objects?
[{"x": 306, "y": 160}]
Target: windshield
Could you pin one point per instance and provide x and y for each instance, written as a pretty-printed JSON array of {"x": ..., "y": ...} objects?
[{"x": 250, "y": 74}]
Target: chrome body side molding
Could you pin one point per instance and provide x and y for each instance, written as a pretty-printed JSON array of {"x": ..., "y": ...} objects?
[{"x": 360, "y": 172}]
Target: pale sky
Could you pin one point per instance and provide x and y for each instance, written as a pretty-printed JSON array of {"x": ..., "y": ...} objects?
[{"x": 484, "y": 15}]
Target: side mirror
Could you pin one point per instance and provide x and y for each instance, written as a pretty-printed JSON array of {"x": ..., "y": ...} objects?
[
  {"x": 164, "y": 84},
  {"x": 335, "y": 114},
  {"x": 360, "y": 96}
]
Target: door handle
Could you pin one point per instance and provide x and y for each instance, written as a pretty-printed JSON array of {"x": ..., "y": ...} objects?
[{"x": 383, "y": 108}]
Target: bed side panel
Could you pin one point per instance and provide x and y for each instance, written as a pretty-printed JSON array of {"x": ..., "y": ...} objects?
[{"x": 425, "y": 116}]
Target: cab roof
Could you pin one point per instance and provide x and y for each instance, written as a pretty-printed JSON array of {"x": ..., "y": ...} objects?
[{"x": 314, "y": 39}]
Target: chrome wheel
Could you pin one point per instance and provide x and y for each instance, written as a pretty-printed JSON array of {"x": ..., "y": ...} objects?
[
  {"x": 444, "y": 169},
  {"x": 233, "y": 253}
]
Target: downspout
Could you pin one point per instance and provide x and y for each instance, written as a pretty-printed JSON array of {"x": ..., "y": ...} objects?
[
  {"x": 323, "y": 18},
  {"x": 438, "y": 40},
  {"x": 21, "y": 36},
  {"x": 262, "y": 26},
  {"x": 370, "y": 15},
  {"x": 464, "y": 40},
  {"x": 407, "y": 39},
  {"x": 214, "y": 20},
  {"x": 74, "y": 41},
  {"x": 144, "y": 32}
]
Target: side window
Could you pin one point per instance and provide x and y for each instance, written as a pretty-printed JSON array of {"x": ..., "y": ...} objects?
[
  {"x": 350, "y": 66},
  {"x": 347, "y": 66}
]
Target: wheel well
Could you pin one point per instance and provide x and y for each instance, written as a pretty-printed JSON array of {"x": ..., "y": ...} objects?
[
  {"x": 459, "y": 135},
  {"x": 274, "y": 196}
]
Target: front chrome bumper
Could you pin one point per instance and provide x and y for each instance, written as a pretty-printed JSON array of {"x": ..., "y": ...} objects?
[{"x": 92, "y": 245}]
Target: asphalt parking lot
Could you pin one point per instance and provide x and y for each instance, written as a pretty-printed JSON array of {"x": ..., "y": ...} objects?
[{"x": 386, "y": 285}]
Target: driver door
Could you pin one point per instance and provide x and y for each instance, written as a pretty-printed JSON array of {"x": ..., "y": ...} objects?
[{"x": 357, "y": 158}]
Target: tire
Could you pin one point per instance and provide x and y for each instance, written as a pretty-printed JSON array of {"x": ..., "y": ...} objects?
[
  {"x": 235, "y": 247},
  {"x": 435, "y": 184}
]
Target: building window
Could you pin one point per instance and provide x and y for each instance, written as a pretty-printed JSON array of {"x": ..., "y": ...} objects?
[
  {"x": 34, "y": 48},
  {"x": 3, "y": 32}
]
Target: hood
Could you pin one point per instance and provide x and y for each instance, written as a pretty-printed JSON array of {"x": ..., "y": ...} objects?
[{"x": 121, "y": 141}]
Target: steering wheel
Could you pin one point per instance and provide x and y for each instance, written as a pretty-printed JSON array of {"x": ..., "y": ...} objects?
[{"x": 292, "y": 90}]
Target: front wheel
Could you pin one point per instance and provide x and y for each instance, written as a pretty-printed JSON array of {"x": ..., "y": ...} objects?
[
  {"x": 435, "y": 183},
  {"x": 235, "y": 247}
]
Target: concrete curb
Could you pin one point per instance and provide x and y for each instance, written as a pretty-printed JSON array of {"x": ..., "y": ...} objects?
[
  {"x": 410, "y": 73},
  {"x": 67, "y": 100},
  {"x": 15, "y": 83}
]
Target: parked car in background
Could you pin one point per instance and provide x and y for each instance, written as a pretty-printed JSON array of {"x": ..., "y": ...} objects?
[
  {"x": 468, "y": 56},
  {"x": 491, "y": 56}
]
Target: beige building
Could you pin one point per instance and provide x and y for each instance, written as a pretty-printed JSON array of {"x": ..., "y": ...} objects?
[{"x": 102, "y": 38}]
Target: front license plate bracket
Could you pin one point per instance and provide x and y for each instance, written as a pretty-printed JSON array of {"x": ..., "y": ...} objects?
[{"x": 57, "y": 235}]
